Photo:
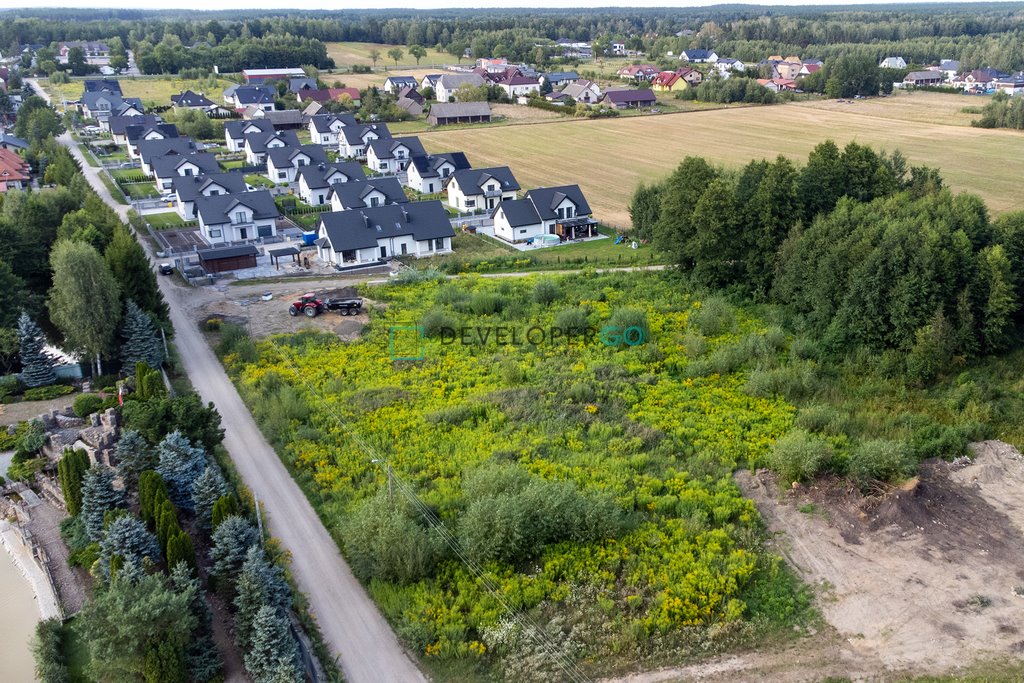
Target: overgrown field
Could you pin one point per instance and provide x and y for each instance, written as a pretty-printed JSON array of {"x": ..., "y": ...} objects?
[
  {"x": 610, "y": 157},
  {"x": 347, "y": 54},
  {"x": 590, "y": 481},
  {"x": 153, "y": 91}
]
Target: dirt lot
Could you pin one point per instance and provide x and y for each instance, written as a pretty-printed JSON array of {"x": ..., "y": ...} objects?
[
  {"x": 926, "y": 578},
  {"x": 264, "y": 318},
  {"x": 517, "y": 112}
]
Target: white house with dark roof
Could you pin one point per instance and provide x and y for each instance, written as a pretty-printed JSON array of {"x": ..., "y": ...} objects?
[
  {"x": 352, "y": 140},
  {"x": 258, "y": 144},
  {"x": 149, "y": 150},
  {"x": 430, "y": 81},
  {"x": 239, "y": 97},
  {"x": 367, "y": 193},
  {"x": 315, "y": 180},
  {"x": 699, "y": 56},
  {"x": 480, "y": 188},
  {"x": 188, "y": 99},
  {"x": 135, "y": 133},
  {"x": 561, "y": 211},
  {"x": 324, "y": 128},
  {"x": 283, "y": 163},
  {"x": 560, "y": 79},
  {"x": 170, "y": 166},
  {"x": 238, "y": 217},
  {"x": 187, "y": 188},
  {"x": 449, "y": 84},
  {"x": 371, "y": 235},
  {"x": 391, "y": 155},
  {"x": 427, "y": 173},
  {"x": 392, "y": 84},
  {"x": 519, "y": 86},
  {"x": 235, "y": 132}
]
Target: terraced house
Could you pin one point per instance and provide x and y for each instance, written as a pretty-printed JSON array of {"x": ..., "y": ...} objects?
[
  {"x": 235, "y": 132},
  {"x": 258, "y": 144},
  {"x": 325, "y": 128}
]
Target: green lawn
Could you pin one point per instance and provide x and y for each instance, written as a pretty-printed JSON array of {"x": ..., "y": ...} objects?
[
  {"x": 258, "y": 180},
  {"x": 154, "y": 91},
  {"x": 168, "y": 219},
  {"x": 139, "y": 190},
  {"x": 236, "y": 163},
  {"x": 347, "y": 54}
]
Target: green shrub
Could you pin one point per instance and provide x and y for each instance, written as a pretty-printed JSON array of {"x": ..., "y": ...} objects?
[
  {"x": 546, "y": 292},
  {"x": 31, "y": 438},
  {"x": 626, "y": 318},
  {"x": 799, "y": 456},
  {"x": 10, "y": 385},
  {"x": 694, "y": 343},
  {"x": 714, "y": 317},
  {"x": 384, "y": 541},
  {"x": 436, "y": 322},
  {"x": 48, "y": 393},
  {"x": 485, "y": 303},
  {"x": 793, "y": 381},
  {"x": 823, "y": 419},
  {"x": 572, "y": 321},
  {"x": 48, "y": 651},
  {"x": 880, "y": 460},
  {"x": 938, "y": 441},
  {"x": 87, "y": 404}
]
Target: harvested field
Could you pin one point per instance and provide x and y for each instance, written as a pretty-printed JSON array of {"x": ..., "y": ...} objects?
[
  {"x": 610, "y": 157},
  {"x": 347, "y": 54},
  {"x": 925, "y": 578}
]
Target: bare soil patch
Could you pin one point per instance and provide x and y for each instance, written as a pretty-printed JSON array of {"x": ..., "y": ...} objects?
[
  {"x": 519, "y": 112},
  {"x": 265, "y": 318},
  {"x": 924, "y": 577}
]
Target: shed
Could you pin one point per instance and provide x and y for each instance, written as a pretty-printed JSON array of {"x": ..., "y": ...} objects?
[
  {"x": 459, "y": 112},
  {"x": 224, "y": 259}
]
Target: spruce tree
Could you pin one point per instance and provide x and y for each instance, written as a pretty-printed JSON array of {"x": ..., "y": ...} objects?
[
  {"x": 274, "y": 655},
  {"x": 180, "y": 465},
  {"x": 208, "y": 489},
  {"x": 231, "y": 543},
  {"x": 127, "y": 537},
  {"x": 71, "y": 470},
  {"x": 201, "y": 655},
  {"x": 98, "y": 496},
  {"x": 141, "y": 340},
  {"x": 36, "y": 367},
  {"x": 260, "y": 583},
  {"x": 134, "y": 456}
]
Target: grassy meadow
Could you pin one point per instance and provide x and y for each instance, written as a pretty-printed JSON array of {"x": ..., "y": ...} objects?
[
  {"x": 608, "y": 158},
  {"x": 154, "y": 92},
  {"x": 347, "y": 54}
]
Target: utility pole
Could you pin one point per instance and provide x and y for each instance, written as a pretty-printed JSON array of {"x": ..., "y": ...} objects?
[{"x": 391, "y": 484}]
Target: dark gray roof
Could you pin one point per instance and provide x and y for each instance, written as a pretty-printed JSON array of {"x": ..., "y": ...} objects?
[
  {"x": 257, "y": 142},
  {"x": 473, "y": 180},
  {"x": 559, "y": 76},
  {"x": 217, "y": 253},
  {"x": 91, "y": 99},
  {"x": 98, "y": 84},
  {"x": 283, "y": 117},
  {"x": 167, "y": 165},
  {"x": 547, "y": 199},
  {"x": 129, "y": 103},
  {"x": 219, "y": 208},
  {"x": 118, "y": 124},
  {"x": 191, "y": 99},
  {"x": 361, "y": 228},
  {"x": 354, "y": 134},
  {"x": 233, "y": 129},
  {"x": 316, "y": 175},
  {"x": 452, "y": 110},
  {"x": 297, "y": 84},
  {"x": 190, "y": 187},
  {"x": 518, "y": 212},
  {"x": 135, "y": 132},
  {"x": 696, "y": 54},
  {"x": 254, "y": 94},
  {"x": 322, "y": 122},
  {"x": 427, "y": 165},
  {"x": 384, "y": 148},
  {"x": 627, "y": 96},
  {"x": 402, "y": 81},
  {"x": 284, "y": 156},
  {"x": 353, "y": 195},
  {"x": 11, "y": 141},
  {"x": 150, "y": 149}
]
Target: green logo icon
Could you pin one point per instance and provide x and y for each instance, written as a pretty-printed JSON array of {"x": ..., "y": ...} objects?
[{"x": 405, "y": 342}]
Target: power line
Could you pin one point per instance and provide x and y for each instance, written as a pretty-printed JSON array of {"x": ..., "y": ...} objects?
[{"x": 529, "y": 627}]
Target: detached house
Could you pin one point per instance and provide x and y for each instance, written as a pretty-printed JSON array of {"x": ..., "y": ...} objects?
[
  {"x": 923, "y": 78},
  {"x": 629, "y": 99},
  {"x": 237, "y": 217},
  {"x": 149, "y": 150},
  {"x": 117, "y": 125},
  {"x": 669, "y": 81},
  {"x": 324, "y": 128},
  {"x": 560, "y": 79},
  {"x": 367, "y": 193},
  {"x": 448, "y": 84},
  {"x": 699, "y": 56},
  {"x": 427, "y": 173},
  {"x": 392, "y": 84},
  {"x": 135, "y": 133},
  {"x": 430, "y": 81},
  {"x": 111, "y": 85},
  {"x": 235, "y": 132},
  {"x": 352, "y": 140},
  {"x": 365, "y": 236},
  {"x": 728, "y": 65},
  {"x": 893, "y": 63},
  {"x": 283, "y": 163},
  {"x": 480, "y": 188},
  {"x": 519, "y": 86},
  {"x": 391, "y": 155},
  {"x": 101, "y": 105},
  {"x": 583, "y": 91},
  {"x": 315, "y": 180},
  {"x": 15, "y": 172},
  {"x": 258, "y": 144},
  {"x": 187, "y": 188},
  {"x": 240, "y": 97},
  {"x": 170, "y": 166},
  {"x": 639, "y": 72},
  {"x": 192, "y": 100},
  {"x": 561, "y": 211}
]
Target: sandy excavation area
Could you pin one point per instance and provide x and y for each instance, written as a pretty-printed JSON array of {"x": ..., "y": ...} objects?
[
  {"x": 267, "y": 317},
  {"x": 927, "y": 578}
]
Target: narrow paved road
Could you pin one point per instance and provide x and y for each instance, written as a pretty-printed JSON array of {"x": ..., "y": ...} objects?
[{"x": 354, "y": 629}]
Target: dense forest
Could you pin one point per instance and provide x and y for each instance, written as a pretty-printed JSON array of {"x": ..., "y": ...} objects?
[{"x": 986, "y": 34}]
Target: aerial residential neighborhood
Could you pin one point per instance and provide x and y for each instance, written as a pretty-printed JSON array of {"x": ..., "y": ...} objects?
[{"x": 511, "y": 343}]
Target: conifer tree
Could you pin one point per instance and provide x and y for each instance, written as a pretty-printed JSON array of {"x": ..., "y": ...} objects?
[
  {"x": 208, "y": 489},
  {"x": 201, "y": 654},
  {"x": 226, "y": 506},
  {"x": 71, "y": 470},
  {"x": 231, "y": 543},
  {"x": 142, "y": 342},
  {"x": 98, "y": 496},
  {"x": 259, "y": 584},
  {"x": 127, "y": 537},
  {"x": 36, "y": 368},
  {"x": 134, "y": 456},
  {"x": 274, "y": 655},
  {"x": 180, "y": 465}
]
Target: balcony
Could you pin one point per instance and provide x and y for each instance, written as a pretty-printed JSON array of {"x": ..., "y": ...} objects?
[{"x": 492, "y": 193}]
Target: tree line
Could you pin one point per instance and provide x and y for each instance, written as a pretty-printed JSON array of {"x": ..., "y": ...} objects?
[{"x": 863, "y": 249}]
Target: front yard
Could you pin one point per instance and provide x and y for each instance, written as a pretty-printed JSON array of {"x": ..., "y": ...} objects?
[{"x": 162, "y": 221}]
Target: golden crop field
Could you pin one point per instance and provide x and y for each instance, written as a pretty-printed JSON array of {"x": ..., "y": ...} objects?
[
  {"x": 608, "y": 158},
  {"x": 347, "y": 54}
]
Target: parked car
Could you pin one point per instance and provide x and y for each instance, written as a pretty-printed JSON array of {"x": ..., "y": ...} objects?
[
  {"x": 127, "y": 164},
  {"x": 166, "y": 269},
  {"x": 169, "y": 197}
]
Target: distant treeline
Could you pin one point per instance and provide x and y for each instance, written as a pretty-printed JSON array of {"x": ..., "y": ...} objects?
[
  {"x": 985, "y": 34},
  {"x": 864, "y": 250}
]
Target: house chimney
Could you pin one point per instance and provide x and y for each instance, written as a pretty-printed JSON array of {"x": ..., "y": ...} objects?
[
  {"x": 405, "y": 215},
  {"x": 366, "y": 219}
]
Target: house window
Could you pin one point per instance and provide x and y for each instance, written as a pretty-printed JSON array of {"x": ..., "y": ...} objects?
[
  {"x": 167, "y": 184},
  {"x": 265, "y": 231},
  {"x": 374, "y": 201},
  {"x": 215, "y": 234},
  {"x": 240, "y": 217},
  {"x": 383, "y": 252},
  {"x": 187, "y": 172},
  {"x": 523, "y": 231},
  {"x": 243, "y": 233},
  {"x": 213, "y": 193},
  {"x": 430, "y": 188},
  {"x": 319, "y": 199},
  {"x": 405, "y": 249},
  {"x": 490, "y": 187},
  {"x": 430, "y": 245},
  {"x": 446, "y": 172},
  {"x": 439, "y": 243},
  {"x": 302, "y": 162},
  {"x": 470, "y": 203}
]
